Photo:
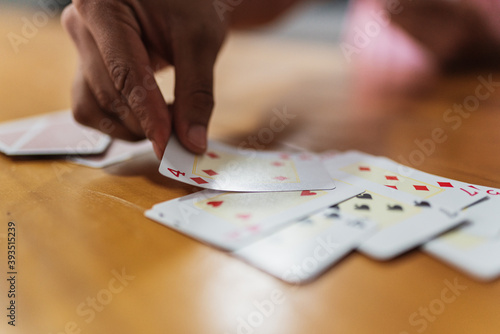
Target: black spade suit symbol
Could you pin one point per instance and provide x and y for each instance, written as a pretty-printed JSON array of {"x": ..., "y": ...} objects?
[
  {"x": 332, "y": 215},
  {"x": 394, "y": 207},
  {"x": 365, "y": 196},
  {"x": 423, "y": 204}
]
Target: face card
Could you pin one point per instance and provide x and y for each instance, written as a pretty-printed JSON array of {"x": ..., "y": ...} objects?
[
  {"x": 233, "y": 220},
  {"x": 55, "y": 133},
  {"x": 118, "y": 151},
  {"x": 475, "y": 246},
  {"x": 410, "y": 183},
  {"x": 303, "y": 250},
  {"x": 227, "y": 168}
]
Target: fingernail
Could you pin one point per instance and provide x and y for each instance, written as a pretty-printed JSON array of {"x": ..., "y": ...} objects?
[{"x": 197, "y": 135}]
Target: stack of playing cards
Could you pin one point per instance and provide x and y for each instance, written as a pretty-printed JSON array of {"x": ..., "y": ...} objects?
[
  {"x": 295, "y": 215},
  {"x": 57, "y": 134}
]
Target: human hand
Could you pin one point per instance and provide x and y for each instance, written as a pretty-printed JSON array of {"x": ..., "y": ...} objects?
[
  {"x": 460, "y": 34},
  {"x": 121, "y": 43}
]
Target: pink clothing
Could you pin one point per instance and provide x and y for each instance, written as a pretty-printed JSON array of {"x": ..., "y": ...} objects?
[{"x": 371, "y": 40}]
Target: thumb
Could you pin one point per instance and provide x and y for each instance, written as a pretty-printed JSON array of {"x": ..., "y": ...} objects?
[
  {"x": 194, "y": 96},
  {"x": 193, "y": 107}
]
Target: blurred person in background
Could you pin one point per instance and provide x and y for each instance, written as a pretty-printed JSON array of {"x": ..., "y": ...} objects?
[{"x": 122, "y": 42}]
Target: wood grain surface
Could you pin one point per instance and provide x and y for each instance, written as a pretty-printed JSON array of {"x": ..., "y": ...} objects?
[{"x": 78, "y": 228}]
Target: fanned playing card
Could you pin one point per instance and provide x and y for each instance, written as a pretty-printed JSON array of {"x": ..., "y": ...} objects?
[
  {"x": 303, "y": 250},
  {"x": 227, "y": 168},
  {"x": 118, "y": 151},
  {"x": 474, "y": 247},
  {"x": 233, "y": 220},
  {"x": 55, "y": 133},
  {"x": 412, "y": 185},
  {"x": 403, "y": 226},
  {"x": 447, "y": 193},
  {"x": 405, "y": 219}
]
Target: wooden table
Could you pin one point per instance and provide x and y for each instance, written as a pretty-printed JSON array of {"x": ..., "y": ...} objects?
[{"x": 79, "y": 228}]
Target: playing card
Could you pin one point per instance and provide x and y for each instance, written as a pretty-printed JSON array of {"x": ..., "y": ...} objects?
[
  {"x": 227, "y": 168},
  {"x": 445, "y": 192},
  {"x": 50, "y": 134},
  {"x": 303, "y": 250},
  {"x": 402, "y": 226},
  {"x": 411, "y": 183},
  {"x": 405, "y": 220},
  {"x": 475, "y": 246},
  {"x": 233, "y": 220},
  {"x": 491, "y": 192},
  {"x": 118, "y": 151},
  {"x": 9, "y": 136}
]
